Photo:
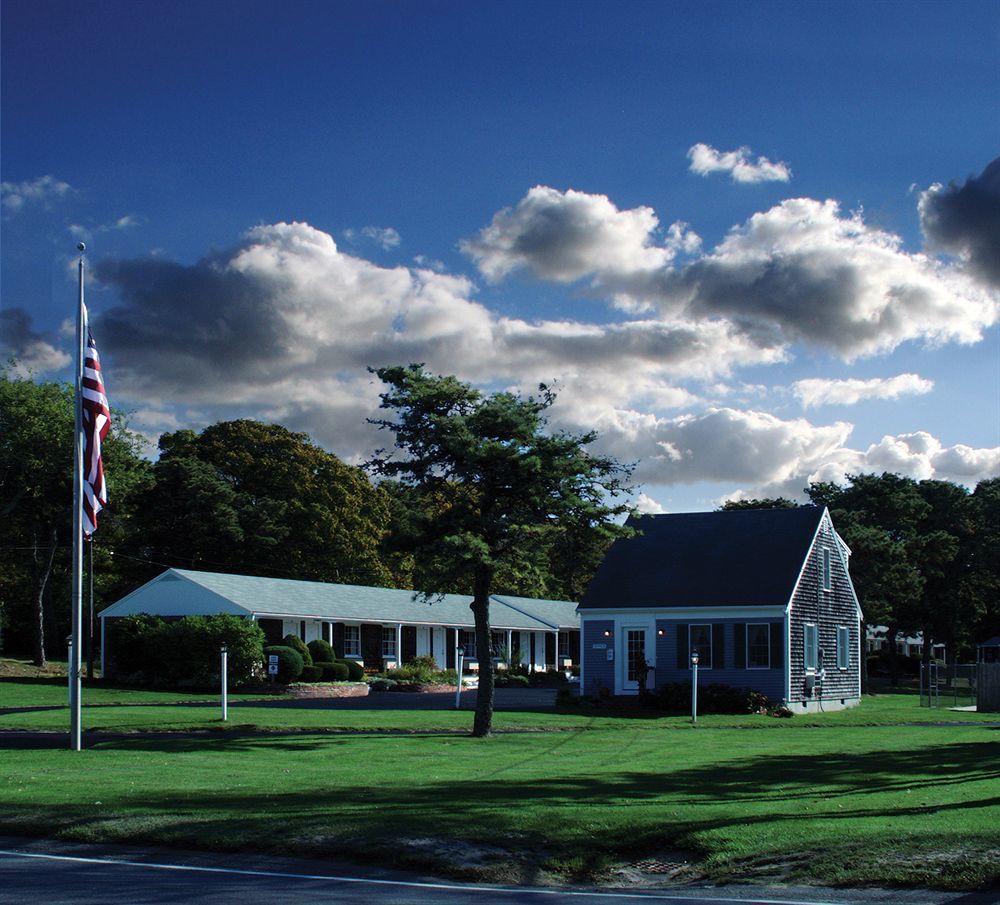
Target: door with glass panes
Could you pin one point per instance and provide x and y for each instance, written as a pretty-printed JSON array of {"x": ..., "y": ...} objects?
[{"x": 635, "y": 642}]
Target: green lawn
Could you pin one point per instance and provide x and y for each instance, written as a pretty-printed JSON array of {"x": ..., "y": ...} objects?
[{"x": 853, "y": 804}]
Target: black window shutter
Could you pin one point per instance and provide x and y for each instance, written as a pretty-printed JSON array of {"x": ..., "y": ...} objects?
[
  {"x": 718, "y": 647},
  {"x": 682, "y": 646},
  {"x": 740, "y": 645},
  {"x": 777, "y": 645}
]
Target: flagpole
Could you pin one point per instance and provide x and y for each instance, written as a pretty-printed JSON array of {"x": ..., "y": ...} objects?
[{"x": 77, "y": 602}]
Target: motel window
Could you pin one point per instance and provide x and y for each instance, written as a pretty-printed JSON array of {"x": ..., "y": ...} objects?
[
  {"x": 843, "y": 647},
  {"x": 564, "y": 644},
  {"x": 811, "y": 653},
  {"x": 700, "y": 639},
  {"x": 467, "y": 639},
  {"x": 352, "y": 640},
  {"x": 388, "y": 641},
  {"x": 758, "y": 646},
  {"x": 498, "y": 643}
]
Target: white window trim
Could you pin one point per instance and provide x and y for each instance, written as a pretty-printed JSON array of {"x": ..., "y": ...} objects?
[
  {"x": 470, "y": 647},
  {"x": 701, "y": 652},
  {"x": 388, "y": 641},
  {"x": 767, "y": 626},
  {"x": 562, "y": 648},
  {"x": 353, "y": 653},
  {"x": 844, "y": 649},
  {"x": 805, "y": 647}
]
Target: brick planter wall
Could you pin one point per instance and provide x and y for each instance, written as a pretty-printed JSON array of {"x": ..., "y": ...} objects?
[{"x": 330, "y": 690}]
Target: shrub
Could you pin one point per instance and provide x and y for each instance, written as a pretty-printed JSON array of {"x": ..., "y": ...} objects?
[
  {"x": 715, "y": 698},
  {"x": 185, "y": 653},
  {"x": 381, "y": 684},
  {"x": 425, "y": 664},
  {"x": 311, "y": 673},
  {"x": 355, "y": 671},
  {"x": 506, "y": 680},
  {"x": 290, "y": 663},
  {"x": 334, "y": 672},
  {"x": 320, "y": 651},
  {"x": 297, "y": 644}
]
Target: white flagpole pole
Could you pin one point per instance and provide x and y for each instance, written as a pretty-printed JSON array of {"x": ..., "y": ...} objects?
[{"x": 77, "y": 601}]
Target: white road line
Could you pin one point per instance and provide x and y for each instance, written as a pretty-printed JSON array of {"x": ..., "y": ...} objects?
[{"x": 407, "y": 883}]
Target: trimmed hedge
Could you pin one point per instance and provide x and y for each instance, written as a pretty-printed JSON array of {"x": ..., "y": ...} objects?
[
  {"x": 334, "y": 672},
  {"x": 290, "y": 663},
  {"x": 311, "y": 674},
  {"x": 355, "y": 671},
  {"x": 296, "y": 643},
  {"x": 321, "y": 651},
  {"x": 715, "y": 698}
]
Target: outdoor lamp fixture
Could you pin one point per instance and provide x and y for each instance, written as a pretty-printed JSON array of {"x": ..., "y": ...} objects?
[
  {"x": 694, "y": 686},
  {"x": 607, "y": 634},
  {"x": 458, "y": 684},
  {"x": 659, "y": 631}
]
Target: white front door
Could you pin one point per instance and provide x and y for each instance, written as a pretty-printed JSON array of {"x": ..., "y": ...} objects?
[
  {"x": 423, "y": 641},
  {"x": 437, "y": 645},
  {"x": 633, "y": 641}
]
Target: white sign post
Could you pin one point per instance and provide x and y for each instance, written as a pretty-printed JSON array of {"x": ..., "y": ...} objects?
[
  {"x": 694, "y": 686},
  {"x": 225, "y": 683},
  {"x": 458, "y": 687}
]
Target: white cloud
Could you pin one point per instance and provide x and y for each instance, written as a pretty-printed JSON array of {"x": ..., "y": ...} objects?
[
  {"x": 32, "y": 352},
  {"x": 15, "y": 195},
  {"x": 565, "y": 236},
  {"x": 384, "y": 236},
  {"x": 646, "y": 505},
  {"x": 738, "y": 164},
  {"x": 814, "y": 392}
]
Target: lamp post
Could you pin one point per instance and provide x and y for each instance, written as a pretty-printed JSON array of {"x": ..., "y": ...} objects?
[
  {"x": 225, "y": 683},
  {"x": 694, "y": 686},
  {"x": 458, "y": 686}
]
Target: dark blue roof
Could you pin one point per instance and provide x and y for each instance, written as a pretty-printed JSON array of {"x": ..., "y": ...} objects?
[{"x": 740, "y": 557}]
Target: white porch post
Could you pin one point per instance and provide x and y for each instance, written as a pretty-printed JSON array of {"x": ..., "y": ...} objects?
[
  {"x": 555, "y": 651},
  {"x": 399, "y": 644},
  {"x": 458, "y": 633},
  {"x": 510, "y": 647}
]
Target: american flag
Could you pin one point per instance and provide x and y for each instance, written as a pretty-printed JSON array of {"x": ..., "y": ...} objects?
[{"x": 96, "y": 422}]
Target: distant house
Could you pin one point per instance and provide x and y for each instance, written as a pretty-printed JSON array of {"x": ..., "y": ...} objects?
[
  {"x": 379, "y": 627},
  {"x": 763, "y": 595},
  {"x": 906, "y": 645}
]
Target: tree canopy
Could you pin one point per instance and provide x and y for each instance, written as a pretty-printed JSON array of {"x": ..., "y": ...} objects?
[{"x": 496, "y": 487}]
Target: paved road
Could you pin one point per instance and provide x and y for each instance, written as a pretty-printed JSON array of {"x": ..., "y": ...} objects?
[{"x": 61, "y": 873}]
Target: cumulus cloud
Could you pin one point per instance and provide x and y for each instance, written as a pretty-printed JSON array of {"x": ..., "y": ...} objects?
[
  {"x": 33, "y": 352},
  {"x": 286, "y": 322},
  {"x": 565, "y": 236},
  {"x": 798, "y": 272},
  {"x": 816, "y": 391},
  {"x": 15, "y": 195},
  {"x": 964, "y": 220},
  {"x": 739, "y": 164},
  {"x": 646, "y": 505}
]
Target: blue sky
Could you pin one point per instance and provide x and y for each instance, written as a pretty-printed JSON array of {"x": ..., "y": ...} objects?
[{"x": 753, "y": 244}]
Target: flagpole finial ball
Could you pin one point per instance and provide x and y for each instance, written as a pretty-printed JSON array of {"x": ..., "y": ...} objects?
[{"x": 81, "y": 246}]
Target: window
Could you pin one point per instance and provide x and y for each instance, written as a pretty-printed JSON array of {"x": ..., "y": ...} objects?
[
  {"x": 498, "y": 643},
  {"x": 843, "y": 647},
  {"x": 811, "y": 660},
  {"x": 827, "y": 576},
  {"x": 635, "y": 639},
  {"x": 564, "y": 644},
  {"x": 700, "y": 639},
  {"x": 352, "y": 640},
  {"x": 388, "y": 641},
  {"x": 758, "y": 646},
  {"x": 467, "y": 639}
]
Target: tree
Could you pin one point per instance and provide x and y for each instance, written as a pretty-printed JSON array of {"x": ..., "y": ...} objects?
[
  {"x": 260, "y": 499},
  {"x": 501, "y": 486},
  {"x": 36, "y": 512}
]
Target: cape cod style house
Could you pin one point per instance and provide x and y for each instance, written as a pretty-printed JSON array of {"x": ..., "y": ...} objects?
[
  {"x": 763, "y": 595},
  {"x": 377, "y": 627}
]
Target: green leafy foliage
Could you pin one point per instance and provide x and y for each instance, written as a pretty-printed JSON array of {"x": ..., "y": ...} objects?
[
  {"x": 297, "y": 644},
  {"x": 290, "y": 663},
  {"x": 355, "y": 671},
  {"x": 496, "y": 489},
  {"x": 321, "y": 651},
  {"x": 334, "y": 672}
]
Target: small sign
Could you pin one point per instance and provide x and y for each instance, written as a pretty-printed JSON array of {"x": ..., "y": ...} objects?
[
  {"x": 272, "y": 664},
  {"x": 600, "y": 647},
  {"x": 611, "y": 654}
]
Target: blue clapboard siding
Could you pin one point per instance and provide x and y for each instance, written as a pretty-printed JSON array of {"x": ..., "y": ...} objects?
[
  {"x": 770, "y": 682},
  {"x": 598, "y": 670}
]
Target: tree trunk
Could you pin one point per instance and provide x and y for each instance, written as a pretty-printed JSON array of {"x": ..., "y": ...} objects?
[
  {"x": 890, "y": 636},
  {"x": 483, "y": 724},
  {"x": 42, "y": 572}
]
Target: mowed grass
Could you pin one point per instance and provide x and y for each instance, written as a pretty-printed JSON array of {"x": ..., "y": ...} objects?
[
  {"x": 914, "y": 805},
  {"x": 854, "y": 797}
]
